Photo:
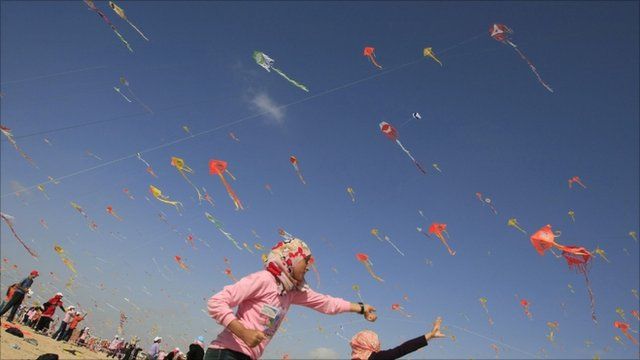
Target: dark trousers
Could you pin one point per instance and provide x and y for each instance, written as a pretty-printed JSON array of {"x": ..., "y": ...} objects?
[
  {"x": 67, "y": 334},
  {"x": 224, "y": 354},
  {"x": 13, "y": 304},
  {"x": 43, "y": 323},
  {"x": 58, "y": 334}
]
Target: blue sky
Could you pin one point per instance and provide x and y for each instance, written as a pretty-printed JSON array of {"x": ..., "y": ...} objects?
[{"x": 486, "y": 121}]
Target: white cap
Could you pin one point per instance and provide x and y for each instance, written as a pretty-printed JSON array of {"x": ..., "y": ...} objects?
[
  {"x": 59, "y": 294},
  {"x": 157, "y": 338},
  {"x": 71, "y": 307}
]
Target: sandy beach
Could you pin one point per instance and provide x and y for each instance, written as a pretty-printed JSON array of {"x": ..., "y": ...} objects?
[{"x": 45, "y": 345}]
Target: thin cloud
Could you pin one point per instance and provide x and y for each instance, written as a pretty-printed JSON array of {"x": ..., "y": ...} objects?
[
  {"x": 264, "y": 104},
  {"x": 324, "y": 353}
]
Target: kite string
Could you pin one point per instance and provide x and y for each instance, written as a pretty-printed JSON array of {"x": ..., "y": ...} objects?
[
  {"x": 232, "y": 123},
  {"x": 473, "y": 333}
]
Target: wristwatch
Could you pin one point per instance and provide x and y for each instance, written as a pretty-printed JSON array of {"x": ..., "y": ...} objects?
[{"x": 361, "y": 308}]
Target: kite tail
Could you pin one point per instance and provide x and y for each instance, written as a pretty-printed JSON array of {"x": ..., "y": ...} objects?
[
  {"x": 370, "y": 269},
  {"x": 176, "y": 204},
  {"x": 373, "y": 61},
  {"x": 592, "y": 301},
  {"x": 138, "y": 30},
  {"x": 200, "y": 197},
  {"x": 411, "y": 156},
  {"x": 419, "y": 166},
  {"x": 121, "y": 38},
  {"x": 531, "y": 66},
  {"x": 395, "y": 247},
  {"x": 8, "y": 222},
  {"x": 234, "y": 197},
  {"x": 228, "y": 236},
  {"x": 290, "y": 80}
]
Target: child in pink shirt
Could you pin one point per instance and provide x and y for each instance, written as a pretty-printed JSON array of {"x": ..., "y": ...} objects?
[{"x": 263, "y": 299}]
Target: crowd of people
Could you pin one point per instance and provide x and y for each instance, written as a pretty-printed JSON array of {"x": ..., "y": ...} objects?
[{"x": 262, "y": 300}]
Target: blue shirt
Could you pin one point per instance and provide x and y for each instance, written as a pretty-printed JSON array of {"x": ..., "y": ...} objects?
[
  {"x": 25, "y": 284},
  {"x": 154, "y": 350}
]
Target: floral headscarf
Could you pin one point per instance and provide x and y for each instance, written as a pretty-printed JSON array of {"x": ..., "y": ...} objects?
[
  {"x": 363, "y": 344},
  {"x": 281, "y": 260}
]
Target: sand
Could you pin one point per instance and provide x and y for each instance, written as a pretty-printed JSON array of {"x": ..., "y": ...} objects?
[{"x": 45, "y": 345}]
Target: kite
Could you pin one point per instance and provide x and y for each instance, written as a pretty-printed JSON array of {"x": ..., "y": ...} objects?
[
  {"x": 54, "y": 181},
  {"x": 165, "y": 199},
  {"x": 572, "y": 215},
  {"x": 219, "y": 167},
  {"x": 356, "y": 288},
  {"x": 618, "y": 339},
  {"x": 483, "y": 302},
  {"x": 601, "y": 253},
  {"x": 58, "y": 249},
  {"x": 47, "y": 141},
  {"x": 552, "y": 330},
  {"x": 234, "y": 137},
  {"x": 620, "y": 313},
  {"x": 501, "y": 32},
  {"x": 104, "y": 17},
  {"x": 392, "y": 134},
  {"x": 416, "y": 115},
  {"x": 486, "y": 201},
  {"x": 370, "y": 53},
  {"x": 570, "y": 287},
  {"x": 92, "y": 225},
  {"x": 181, "y": 263},
  {"x": 258, "y": 246},
  {"x": 7, "y": 132},
  {"x": 129, "y": 195},
  {"x": 219, "y": 225},
  {"x": 8, "y": 219},
  {"x": 268, "y": 187},
  {"x": 186, "y": 129},
  {"x": 294, "y": 161},
  {"x": 113, "y": 213},
  {"x": 41, "y": 188},
  {"x": 576, "y": 180},
  {"x": 624, "y": 327},
  {"x": 246, "y": 246},
  {"x": 149, "y": 168},
  {"x": 496, "y": 349},
  {"x": 364, "y": 259},
  {"x": 44, "y": 224},
  {"x": 89, "y": 153},
  {"x": 438, "y": 230},
  {"x": 435, "y": 166},
  {"x": 634, "y": 292},
  {"x": 229, "y": 274},
  {"x": 634, "y": 235},
  {"x": 514, "y": 222},
  {"x": 266, "y": 62},
  {"x": 525, "y": 305},
  {"x": 422, "y": 214},
  {"x": 117, "y": 89},
  {"x": 352, "y": 194},
  {"x": 428, "y": 52},
  {"x": 400, "y": 309},
  {"x": 125, "y": 82},
  {"x": 182, "y": 169},
  {"x": 421, "y": 231},
  {"x": 375, "y": 232},
  {"x": 118, "y": 10},
  {"x": 635, "y": 314}
]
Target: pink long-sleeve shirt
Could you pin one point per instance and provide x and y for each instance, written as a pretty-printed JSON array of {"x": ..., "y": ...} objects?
[{"x": 260, "y": 307}]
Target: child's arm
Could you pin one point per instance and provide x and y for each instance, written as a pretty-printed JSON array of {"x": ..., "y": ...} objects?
[
  {"x": 329, "y": 305},
  {"x": 400, "y": 351}
]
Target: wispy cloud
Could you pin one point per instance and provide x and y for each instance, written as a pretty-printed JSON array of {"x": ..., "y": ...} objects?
[
  {"x": 264, "y": 104},
  {"x": 324, "y": 353}
]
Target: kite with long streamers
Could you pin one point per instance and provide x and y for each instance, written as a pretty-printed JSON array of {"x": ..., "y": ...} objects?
[
  {"x": 483, "y": 302},
  {"x": 375, "y": 232},
  {"x": 620, "y": 312},
  {"x": 572, "y": 215},
  {"x": 125, "y": 82},
  {"x": 128, "y": 193},
  {"x": 165, "y": 199},
  {"x": 182, "y": 169},
  {"x": 8, "y": 219},
  {"x": 352, "y": 194},
  {"x": 437, "y": 167},
  {"x": 513, "y": 222},
  {"x": 486, "y": 201},
  {"x": 440, "y": 230},
  {"x": 118, "y": 10},
  {"x": 633, "y": 235},
  {"x": 624, "y": 327},
  {"x": 294, "y": 161},
  {"x": 502, "y": 33},
  {"x": 219, "y": 225},
  {"x": 392, "y": 134},
  {"x": 601, "y": 253},
  {"x": 364, "y": 259},
  {"x": 181, "y": 263},
  {"x": 576, "y": 180},
  {"x": 266, "y": 62},
  {"x": 370, "y": 53},
  {"x": 400, "y": 309},
  {"x": 229, "y": 274},
  {"x": 428, "y": 52},
  {"x": 635, "y": 314},
  {"x": 149, "y": 168},
  {"x": 219, "y": 167},
  {"x": 41, "y": 188},
  {"x": 553, "y": 326},
  {"x": 104, "y": 17},
  {"x": 92, "y": 225},
  {"x": 525, "y": 305},
  {"x": 63, "y": 256},
  {"x": 111, "y": 212},
  {"x": 7, "y": 132},
  {"x": 117, "y": 89}
]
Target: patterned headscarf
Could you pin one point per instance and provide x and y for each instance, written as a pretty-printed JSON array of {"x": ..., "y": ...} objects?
[
  {"x": 281, "y": 260},
  {"x": 363, "y": 344}
]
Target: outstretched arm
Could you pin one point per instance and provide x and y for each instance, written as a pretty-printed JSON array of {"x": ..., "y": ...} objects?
[{"x": 411, "y": 345}]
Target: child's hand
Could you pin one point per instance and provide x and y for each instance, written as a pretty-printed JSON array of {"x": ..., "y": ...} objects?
[
  {"x": 435, "y": 332},
  {"x": 252, "y": 337},
  {"x": 370, "y": 313}
]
